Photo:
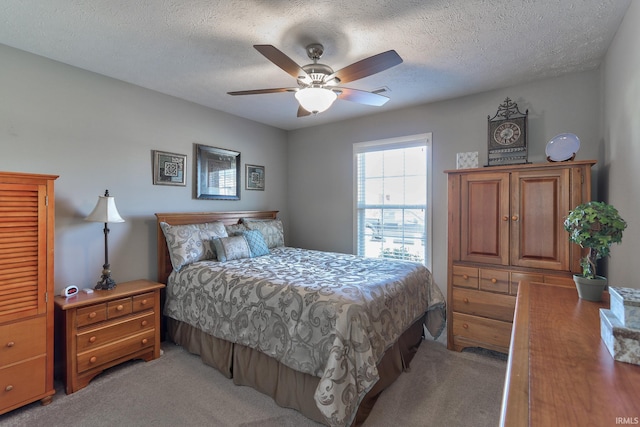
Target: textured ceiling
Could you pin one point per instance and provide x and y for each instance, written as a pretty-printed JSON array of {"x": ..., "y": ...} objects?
[{"x": 199, "y": 50}]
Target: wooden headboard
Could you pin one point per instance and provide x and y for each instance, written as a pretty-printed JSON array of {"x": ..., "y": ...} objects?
[{"x": 228, "y": 218}]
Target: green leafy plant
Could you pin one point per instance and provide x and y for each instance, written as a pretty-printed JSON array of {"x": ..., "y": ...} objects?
[{"x": 596, "y": 226}]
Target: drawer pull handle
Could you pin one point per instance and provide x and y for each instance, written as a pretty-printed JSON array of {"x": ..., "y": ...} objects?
[
  {"x": 93, "y": 359},
  {"x": 505, "y": 218},
  {"x": 466, "y": 300},
  {"x": 514, "y": 218},
  {"x": 11, "y": 344},
  {"x": 465, "y": 277},
  {"x": 8, "y": 388},
  {"x": 120, "y": 307},
  {"x": 144, "y": 323},
  {"x": 144, "y": 340},
  {"x": 92, "y": 339},
  {"x": 143, "y": 302},
  {"x": 464, "y": 325},
  {"x": 92, "y": 314},
  {"x": 494, "y": 280}
]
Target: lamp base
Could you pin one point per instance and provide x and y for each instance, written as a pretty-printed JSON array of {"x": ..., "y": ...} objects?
[{"x": 106, "y": 283}]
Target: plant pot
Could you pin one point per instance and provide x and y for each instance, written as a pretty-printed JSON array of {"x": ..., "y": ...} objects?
[{"x": 590, "y": 289}]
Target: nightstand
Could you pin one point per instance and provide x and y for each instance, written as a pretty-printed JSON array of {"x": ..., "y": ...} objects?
[{"x": 106, "y": 328}]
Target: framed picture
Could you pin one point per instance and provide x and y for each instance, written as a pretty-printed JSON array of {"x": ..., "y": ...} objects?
[
  {"x": 217, "y": 173},
  {"x": 169, "y": 168},
  {"x": 254, "y": 179}
]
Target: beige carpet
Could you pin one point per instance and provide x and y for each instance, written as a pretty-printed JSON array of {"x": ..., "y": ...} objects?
[{"x": 443, "y": 388}]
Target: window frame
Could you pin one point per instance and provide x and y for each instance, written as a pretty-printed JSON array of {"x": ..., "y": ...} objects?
[{"x": 424, "y": 139}]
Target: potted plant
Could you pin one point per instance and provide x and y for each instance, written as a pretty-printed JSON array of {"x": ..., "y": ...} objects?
[{"x": 595, "y": 226}]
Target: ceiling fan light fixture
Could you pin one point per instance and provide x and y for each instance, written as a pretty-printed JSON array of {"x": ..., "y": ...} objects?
[{"x": 315, "y": 99}]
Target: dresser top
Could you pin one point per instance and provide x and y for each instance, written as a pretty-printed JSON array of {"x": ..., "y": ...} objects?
[
  {"x": 560, "y": 371},
  {"x": 122, "y": 290},
  {"x": 524, "y": 166}
]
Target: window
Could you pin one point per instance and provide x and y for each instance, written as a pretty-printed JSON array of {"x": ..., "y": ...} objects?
[{"x": 393, "y": 207}]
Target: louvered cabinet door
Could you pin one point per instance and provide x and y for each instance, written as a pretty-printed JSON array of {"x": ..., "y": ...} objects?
[
  {"x": 23, "y": 250},
  {"x": 26, "y": 289}
]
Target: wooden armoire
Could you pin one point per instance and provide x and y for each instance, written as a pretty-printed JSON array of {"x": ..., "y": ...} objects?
[
  {"x": 26, "y": 289},
  {"x": 505, "y": 224}
]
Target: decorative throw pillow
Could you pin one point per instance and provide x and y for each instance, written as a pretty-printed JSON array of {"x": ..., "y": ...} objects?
[
  {"x": 230, "y": 248},
  {"x": 271, "y": 230},
  {"x": 256, "y": 242},
  {"x": 191, "y": 242}
]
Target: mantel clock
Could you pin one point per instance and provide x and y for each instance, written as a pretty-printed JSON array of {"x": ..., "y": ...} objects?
[{"x": 507, "y": 138}]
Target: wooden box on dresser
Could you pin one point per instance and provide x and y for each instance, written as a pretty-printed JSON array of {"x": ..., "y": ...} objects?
[
  {"x": 505, "y": 224},
  {"x": 106, "y": 328},
  {"x": 26, "y": 289}
]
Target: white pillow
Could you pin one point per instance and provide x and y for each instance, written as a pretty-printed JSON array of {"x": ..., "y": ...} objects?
[{"x": 191, "y": 242}]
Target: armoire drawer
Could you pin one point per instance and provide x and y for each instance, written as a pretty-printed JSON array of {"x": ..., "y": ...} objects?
[
  {"x": 485, "y": 304},
  {"x": 482, "y": 330},
  {"x": 22, "y": 340},
  {"x": 494, "y": 280},
  {"x": 20, "y": 381},
  {"x": 465, "y": 277}
]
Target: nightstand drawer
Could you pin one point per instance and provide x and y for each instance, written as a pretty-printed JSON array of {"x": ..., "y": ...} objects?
[
  {"x": 92, "y": 314},
  {"x": 118, "y": 308},
  {"x": 477, "y": 303},
  {"x": 22, "y": 340},
  {"x": 482, "y": 330},
  {"x": 105, "y": 354},
  {"x": 100, "y": 335},
  {"x": 21, "y": 381},
  {"x": 143, "y": 302}
]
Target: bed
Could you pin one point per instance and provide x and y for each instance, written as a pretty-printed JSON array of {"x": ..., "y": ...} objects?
[{"x": 323, "y": 333}]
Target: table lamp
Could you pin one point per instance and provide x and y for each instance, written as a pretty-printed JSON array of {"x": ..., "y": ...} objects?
[{"x": 105, "y": 211}]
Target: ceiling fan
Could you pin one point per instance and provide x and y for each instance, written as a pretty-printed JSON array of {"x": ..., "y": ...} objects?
[{"x": 318, "y": 83}]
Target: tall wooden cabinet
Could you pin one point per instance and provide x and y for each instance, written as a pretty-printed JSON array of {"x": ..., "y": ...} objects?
[
  {"x": 505, "y": 224},
  {"x": 26, "y": 289}
]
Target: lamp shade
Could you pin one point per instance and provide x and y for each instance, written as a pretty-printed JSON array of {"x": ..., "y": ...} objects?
[
  {"x": 105, "y": 210},
  {"x": 315, "y": 99}
]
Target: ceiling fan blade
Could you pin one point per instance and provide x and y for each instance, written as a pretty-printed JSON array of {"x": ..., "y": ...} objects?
[
  {"x": 302, "y": 112},
  {"x": 361, "y": 96},
  {"x": 366, "y": 67},
  {"x": 281, "y": 60},
  {"x": 261, "y": 91}
]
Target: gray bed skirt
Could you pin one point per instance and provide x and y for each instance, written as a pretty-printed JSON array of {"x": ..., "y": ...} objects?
[{"x": 289, "y": 388}]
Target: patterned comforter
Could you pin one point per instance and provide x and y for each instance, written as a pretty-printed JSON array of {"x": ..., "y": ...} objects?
[{"x": 327, "y": 314}]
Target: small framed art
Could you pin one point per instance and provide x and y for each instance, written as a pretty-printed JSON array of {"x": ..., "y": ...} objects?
[
  {"x": 169, "y": 168},
  {"x": 254, "y": 179},
  {"x": 217, "y": 173}
]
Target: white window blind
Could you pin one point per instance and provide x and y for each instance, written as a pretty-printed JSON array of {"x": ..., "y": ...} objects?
[{"x": 392, "y": 198}]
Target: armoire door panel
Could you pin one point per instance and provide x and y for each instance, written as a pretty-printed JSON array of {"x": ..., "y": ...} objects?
[
  {"x": 484, "y": 218},
  {"x": 26, "y": 288},
  {"x": 540, "y": 201}
]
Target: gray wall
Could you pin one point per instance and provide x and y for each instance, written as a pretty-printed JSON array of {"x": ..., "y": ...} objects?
[
  {"x": 621, "y": 143},
  {"x": 321, "y": 165},
  {"x": 97, "y": 133}
]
